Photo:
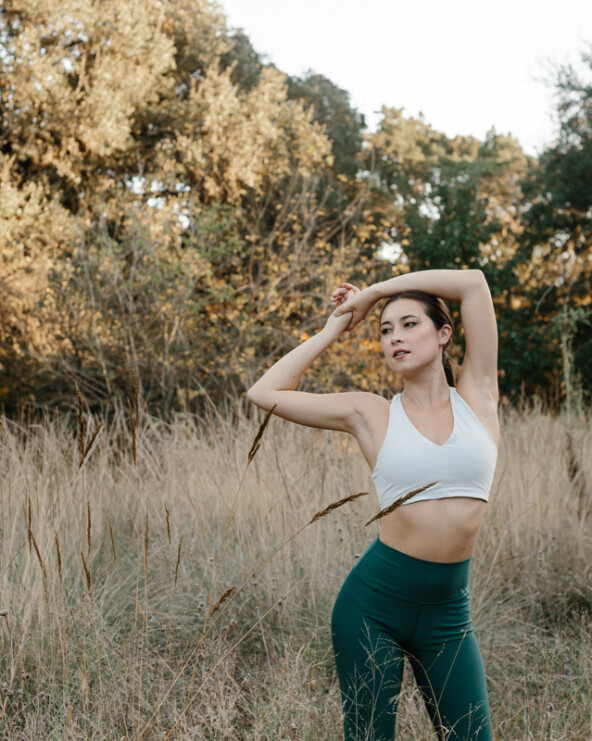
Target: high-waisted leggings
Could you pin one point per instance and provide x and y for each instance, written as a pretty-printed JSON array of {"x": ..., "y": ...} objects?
[{"x": 393, "y": 606}]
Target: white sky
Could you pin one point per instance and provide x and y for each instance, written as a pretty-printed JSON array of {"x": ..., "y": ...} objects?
[{"x": 468, "y": 65}]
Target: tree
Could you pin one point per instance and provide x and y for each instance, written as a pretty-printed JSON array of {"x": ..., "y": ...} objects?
[
  {"x": 247, "y": 64},
  {"x": 161, "y": 206},
  {"x": 332, "y": 109},
  {"x": 555, "y": 258}
]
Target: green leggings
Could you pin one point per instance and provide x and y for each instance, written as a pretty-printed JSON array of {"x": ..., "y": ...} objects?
[{"x": 391, "y": 606}]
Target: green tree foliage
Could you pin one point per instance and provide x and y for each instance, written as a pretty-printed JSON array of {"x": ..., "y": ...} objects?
[
  {"x": 331, "y": 107},
  {"x": 556, "y": 242},
  {"x": 452, "y": 203},
  {"x": 247, "y": 64}
]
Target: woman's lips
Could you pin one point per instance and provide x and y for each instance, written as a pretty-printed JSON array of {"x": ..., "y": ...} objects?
[{"x": 400, "y": 354}]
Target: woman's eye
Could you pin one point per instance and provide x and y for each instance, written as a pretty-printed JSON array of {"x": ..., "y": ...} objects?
[
  {"x": 386, "y": 330},
  {"x": 410, "y": 324}
]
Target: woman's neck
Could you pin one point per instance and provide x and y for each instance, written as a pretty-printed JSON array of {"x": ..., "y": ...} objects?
[{"x": 427, "y": 392}]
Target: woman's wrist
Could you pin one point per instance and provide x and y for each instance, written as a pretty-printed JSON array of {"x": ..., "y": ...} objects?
[
  {"x": 378, "y": 291},
  {"x": 328, "y": 334},
  {"x": 335, "y": 327}
]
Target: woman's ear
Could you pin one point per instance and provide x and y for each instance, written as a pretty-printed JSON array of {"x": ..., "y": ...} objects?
[{"x": 445, "y": 334}]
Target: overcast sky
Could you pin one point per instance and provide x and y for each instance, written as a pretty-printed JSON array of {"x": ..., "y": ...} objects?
[{"x": 468, "y": 65}]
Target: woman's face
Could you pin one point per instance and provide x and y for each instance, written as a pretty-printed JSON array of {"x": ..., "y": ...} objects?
[{"x": 409, "y": 338}]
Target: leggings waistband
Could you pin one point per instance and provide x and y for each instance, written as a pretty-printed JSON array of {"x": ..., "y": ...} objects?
[{"x": 426, "y": 582}]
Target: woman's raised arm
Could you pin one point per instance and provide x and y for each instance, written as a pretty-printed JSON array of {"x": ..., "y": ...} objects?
[
  {"x": 470, "y": 289},
  {"x": 275, "y": 389}
]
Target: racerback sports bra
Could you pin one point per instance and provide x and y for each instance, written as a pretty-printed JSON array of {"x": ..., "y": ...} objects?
[{"x": 462, "y": 467}]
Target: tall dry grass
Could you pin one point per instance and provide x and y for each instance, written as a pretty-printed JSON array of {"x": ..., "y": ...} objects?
[{"x": 152, "y": 600}]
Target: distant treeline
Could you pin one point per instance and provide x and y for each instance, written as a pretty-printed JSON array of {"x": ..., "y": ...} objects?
[{"x": 171, "y": 202}]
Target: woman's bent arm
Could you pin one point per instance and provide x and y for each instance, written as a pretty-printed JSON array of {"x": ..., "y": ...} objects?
[
  {"x": 451, "y": 285},
  {"x": 469, "y": 287},
  {"x": 285, "y": 374},
  {"x": 275, "y": 389}
]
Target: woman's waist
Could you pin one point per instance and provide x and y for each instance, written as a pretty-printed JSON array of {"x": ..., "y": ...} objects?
[{"x": 443, "y": 530}]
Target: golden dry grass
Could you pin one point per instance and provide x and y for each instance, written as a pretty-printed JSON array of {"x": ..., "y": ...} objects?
[{"x": 189, "y": 596}]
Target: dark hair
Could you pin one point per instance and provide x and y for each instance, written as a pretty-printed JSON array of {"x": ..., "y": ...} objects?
[{"x": 438, "y": 312}]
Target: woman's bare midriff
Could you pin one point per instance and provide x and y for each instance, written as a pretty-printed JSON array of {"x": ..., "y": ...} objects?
[{"x": 442, "y": 530}]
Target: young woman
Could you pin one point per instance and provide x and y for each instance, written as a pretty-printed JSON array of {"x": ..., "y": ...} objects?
[{"x": 408, "y": 594}]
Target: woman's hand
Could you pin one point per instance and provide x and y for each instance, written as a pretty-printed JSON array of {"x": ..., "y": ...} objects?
[
  {"x": 340, "y": 295},
  {"x": 340, "y": 298},
  {"x": 348, "y": 298}
]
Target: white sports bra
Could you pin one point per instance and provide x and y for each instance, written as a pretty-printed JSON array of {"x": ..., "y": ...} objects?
[{"x": 462, "y": 467}]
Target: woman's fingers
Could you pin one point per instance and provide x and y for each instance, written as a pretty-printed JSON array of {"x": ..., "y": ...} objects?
[
  {"x": 344, "y": 288},
  {"x": 346, "y": 304},
  {"x": 342, "y": 299},
  {"x": 338, "y": 300},
  {"x": 353, "y": 322}
]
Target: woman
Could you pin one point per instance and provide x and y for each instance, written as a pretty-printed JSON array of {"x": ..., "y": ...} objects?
[{"x": 408, "y": 594}]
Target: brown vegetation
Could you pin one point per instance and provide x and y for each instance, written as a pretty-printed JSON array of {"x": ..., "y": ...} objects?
[{"x": 142, "y": 601}]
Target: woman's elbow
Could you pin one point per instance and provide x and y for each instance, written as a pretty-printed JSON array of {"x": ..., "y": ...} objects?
[
  {"x": 255, "y": 396},
  {"x": 478, "y": 277}
]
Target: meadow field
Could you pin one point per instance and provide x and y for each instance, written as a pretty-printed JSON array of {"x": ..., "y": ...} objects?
[{"x": 166, "y": 581}]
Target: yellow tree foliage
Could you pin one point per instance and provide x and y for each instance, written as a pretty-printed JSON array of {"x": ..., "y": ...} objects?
[{"x": 152, "y": 209}]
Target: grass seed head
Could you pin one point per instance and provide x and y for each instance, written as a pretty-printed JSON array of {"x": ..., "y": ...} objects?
[
  {"x": 81, "y": 424},
  {"x": 337, "y": 504},
  {"x": 398, "y": 503},
  {"x": 259, "y": 435},
  {"x": 222, "y": 599},
  {"x": 112, "y": 539},
  {"x": 59, "y": 558},
  {"x": 168, "y": 523},
  {"x": 178, "y": 560},
  {"x": 86, "y": 574},
  {"x": 132, "y": 429}
]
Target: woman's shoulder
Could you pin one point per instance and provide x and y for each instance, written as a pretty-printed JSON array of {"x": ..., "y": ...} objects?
[
  {"x": 373, "y": 413},
  {"x": 371, "y": 402},
  {"x": 372, "y": 418}
]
